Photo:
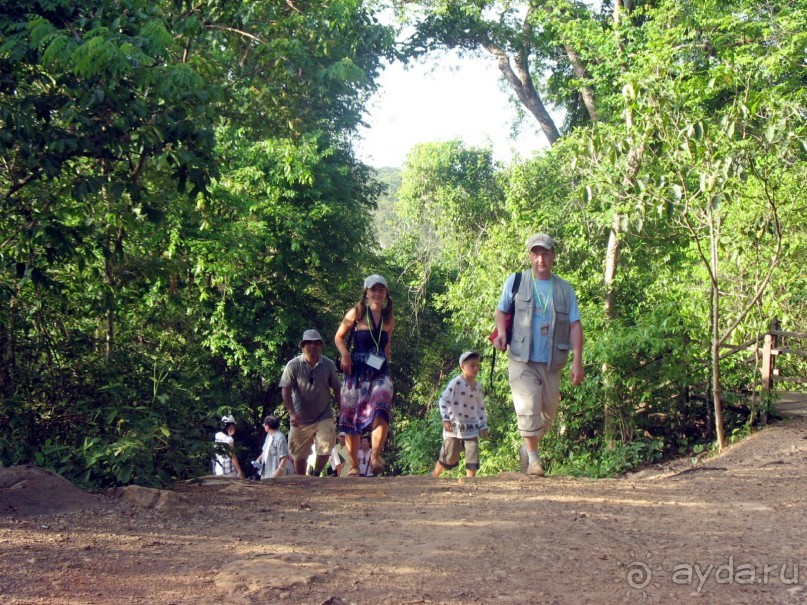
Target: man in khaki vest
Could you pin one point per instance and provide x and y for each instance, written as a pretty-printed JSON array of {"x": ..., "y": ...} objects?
[{"x": 545, "y": 327}]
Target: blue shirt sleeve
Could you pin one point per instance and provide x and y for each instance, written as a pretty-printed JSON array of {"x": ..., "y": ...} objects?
[
  {"x": 574, "y": 310},
  {"x": 506, "y": 301}
]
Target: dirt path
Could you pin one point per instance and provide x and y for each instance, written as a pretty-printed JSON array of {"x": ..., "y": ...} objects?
[{"x": 730, "y": 531}]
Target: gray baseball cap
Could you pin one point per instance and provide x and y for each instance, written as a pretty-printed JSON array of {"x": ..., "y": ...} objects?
[
  {"x": 468, "y": 354},
  {"x": 311, "y": 336},
  {"x": 374, "y": 279},
  {"x": 540, "y": 239}
]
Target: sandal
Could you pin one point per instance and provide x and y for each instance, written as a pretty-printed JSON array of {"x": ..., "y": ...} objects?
[
  {"x": 353, "y": 472},
  {"x": 377, "y": 467}
]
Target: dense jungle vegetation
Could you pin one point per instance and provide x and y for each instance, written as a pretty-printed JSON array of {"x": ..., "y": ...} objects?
[{"x": 181, "y": 199}]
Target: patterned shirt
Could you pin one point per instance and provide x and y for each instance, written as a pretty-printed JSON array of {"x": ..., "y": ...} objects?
[
  {"x": 275, "y": 447},
  {"x": 463, "y": 406}
]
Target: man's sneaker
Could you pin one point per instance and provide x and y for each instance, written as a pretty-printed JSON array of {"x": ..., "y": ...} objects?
[{"x": 535, "y": 469}]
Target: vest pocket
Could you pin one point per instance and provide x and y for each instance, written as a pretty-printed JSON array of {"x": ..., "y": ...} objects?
[{"x": 561, "y": 356}]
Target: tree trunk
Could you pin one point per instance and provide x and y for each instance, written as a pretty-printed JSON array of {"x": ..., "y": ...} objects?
[
  {"x": 582, "y": 74},
  {"x": 111, "y": 263},
  {"x": 612, "y": 256},
  {"x": 110, "y": 311},
  {"x": 520, "y": 80},
  {"x": 714, "y": 236},
  {"x": 522, "y": 85},
  {"x": 611, "y": 262},
  {"x": 7, "y": 349}
]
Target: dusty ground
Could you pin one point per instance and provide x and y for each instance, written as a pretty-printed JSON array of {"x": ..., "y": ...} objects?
[{"x": 730, "y": 531}]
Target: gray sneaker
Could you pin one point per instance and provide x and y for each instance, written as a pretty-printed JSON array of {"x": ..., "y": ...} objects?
[{"x": 535, "y": 469}]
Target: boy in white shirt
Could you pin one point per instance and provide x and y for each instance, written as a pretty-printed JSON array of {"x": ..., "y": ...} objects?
[{"x": 462, "y": 409}]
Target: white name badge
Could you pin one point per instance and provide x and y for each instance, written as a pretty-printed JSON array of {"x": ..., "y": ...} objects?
[{"x": 374, "y": 361}]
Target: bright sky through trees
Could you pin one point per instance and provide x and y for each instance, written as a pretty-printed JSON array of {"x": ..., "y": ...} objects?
[{"x": 445, "y": 98}]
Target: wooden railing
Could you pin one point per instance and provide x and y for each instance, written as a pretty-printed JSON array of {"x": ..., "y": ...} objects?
[{"x": 790, "y": 403}]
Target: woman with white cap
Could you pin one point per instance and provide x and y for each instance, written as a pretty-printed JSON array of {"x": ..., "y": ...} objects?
[
  {"x": 367, "y": 387},
  {"x": 225, "y": 462}
]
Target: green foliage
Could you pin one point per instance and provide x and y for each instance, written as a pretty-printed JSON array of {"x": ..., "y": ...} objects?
[
  {"x": 418, "y": 442},
  {"x": 698, "y": 122},
  {"x": 130, "y": 421},
  {"x": 384, "y": 218},
  {"x": 601, "y": 461},
  {"x": 499, "y": 452},
  {"x": 174, "y": 188}
]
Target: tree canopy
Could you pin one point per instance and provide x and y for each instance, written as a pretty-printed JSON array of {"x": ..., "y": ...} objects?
[{"x": 174, "y": 181}]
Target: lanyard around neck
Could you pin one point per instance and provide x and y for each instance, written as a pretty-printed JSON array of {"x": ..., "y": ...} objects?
[
  {"x": 539, "y": 299},
  {"x": 371, "y": 325}
]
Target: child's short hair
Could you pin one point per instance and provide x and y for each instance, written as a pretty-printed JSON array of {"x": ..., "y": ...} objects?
[
  {"x": 273, "y": 422},
  {"x": 468, "y": 355}
]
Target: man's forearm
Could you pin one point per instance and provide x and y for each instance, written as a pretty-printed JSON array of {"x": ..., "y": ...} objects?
[
  {"x": 287, "y": 401},
  {"x": 576, "y": 340},
  {"x": 501, "y": 321}
]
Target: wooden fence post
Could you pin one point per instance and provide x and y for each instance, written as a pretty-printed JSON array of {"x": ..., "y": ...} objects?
[{"x": 768, "y": 359}]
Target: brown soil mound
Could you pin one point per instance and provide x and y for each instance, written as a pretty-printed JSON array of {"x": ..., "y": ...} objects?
[{"x": 28, "y": 491}]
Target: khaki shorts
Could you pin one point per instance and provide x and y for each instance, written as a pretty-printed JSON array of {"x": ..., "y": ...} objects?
[
  {"x": 322, "y": 434},
  {"x": 450, "y": 452},
  {"x": 536, "y": 396}
]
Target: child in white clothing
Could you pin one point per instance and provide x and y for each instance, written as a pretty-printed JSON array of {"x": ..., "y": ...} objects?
[
  {"x": 225, "y": 462},
  {"x": 462, "y": 409}
]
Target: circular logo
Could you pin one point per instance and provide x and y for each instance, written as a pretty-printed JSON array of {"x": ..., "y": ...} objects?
[{"x": 638, "y": 575}]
